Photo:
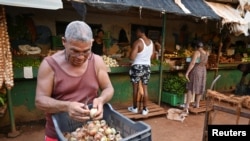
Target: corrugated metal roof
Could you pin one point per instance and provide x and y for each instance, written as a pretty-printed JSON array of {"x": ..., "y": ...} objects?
[
  {"x": 156, "y": 5},
  {"x": 171, "y": 7},
  {"x": 199, "y": 8}
]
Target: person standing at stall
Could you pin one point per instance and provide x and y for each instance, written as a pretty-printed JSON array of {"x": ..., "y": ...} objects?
[
  {"x": 196, "y": 76},
  {"x": 141, "y": 53},
  {"x": 70, "y": 78},
  {"x": 157, "y": 45},
  {"x": 98, "y": 47}
]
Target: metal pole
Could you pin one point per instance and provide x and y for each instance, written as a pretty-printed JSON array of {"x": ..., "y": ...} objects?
[
  {"x": 14, "y": 132},
  {"x": 162, "y": 54}
]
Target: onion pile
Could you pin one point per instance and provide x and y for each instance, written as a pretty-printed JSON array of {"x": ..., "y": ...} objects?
[
  {"x": 27, "y": 49},
  {"x": 110, "y": 62},
  {"x": 96, "y": 130},
  {"x": 6, "y": 66}
]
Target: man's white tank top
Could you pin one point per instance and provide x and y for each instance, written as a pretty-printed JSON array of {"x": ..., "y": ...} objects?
[{"x": 144, "y": 57}]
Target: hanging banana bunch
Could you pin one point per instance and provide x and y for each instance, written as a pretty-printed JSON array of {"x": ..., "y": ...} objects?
[{"x": 6, "y": 67}]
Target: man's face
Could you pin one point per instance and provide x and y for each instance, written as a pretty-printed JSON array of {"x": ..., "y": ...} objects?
[{"x": 77, "y": 52}]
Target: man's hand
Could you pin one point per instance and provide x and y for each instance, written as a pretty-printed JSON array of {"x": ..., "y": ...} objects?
[
  {"x": 98, "y": 104},
  {"x": 78, "y": 111}
]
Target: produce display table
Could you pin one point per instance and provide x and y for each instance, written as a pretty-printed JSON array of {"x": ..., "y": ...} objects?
[
  {"x": 238, "y": 103},
  {"x": 228, "y": 103},
  {"x": 23, "y": 92}
]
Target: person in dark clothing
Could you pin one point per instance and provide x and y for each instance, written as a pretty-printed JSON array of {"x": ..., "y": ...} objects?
[
  {"x": 98, "y": 47},
  {"x": 245, "y": 69}
]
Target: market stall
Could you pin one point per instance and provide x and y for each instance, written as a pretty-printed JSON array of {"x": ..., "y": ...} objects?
[
  {"x": 6, "y": 71},
  {"x": 25, "y": 77},
  {"x": 233, "y": 51}
]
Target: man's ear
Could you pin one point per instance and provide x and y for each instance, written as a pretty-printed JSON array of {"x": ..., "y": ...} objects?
[{"x": 63, "y": 40}]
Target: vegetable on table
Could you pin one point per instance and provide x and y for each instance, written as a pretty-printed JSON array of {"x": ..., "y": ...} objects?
[{"x": 175, "y": 84}]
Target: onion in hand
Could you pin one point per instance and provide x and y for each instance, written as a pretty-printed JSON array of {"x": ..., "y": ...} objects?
[{"x": 93, "y": 112}]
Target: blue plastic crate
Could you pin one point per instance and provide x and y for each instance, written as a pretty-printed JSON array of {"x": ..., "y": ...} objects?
[{"x": 130, "y": 130}]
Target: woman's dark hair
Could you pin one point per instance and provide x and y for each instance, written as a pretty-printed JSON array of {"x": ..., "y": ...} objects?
[
  {"x": 99, "y": 30},
  {"x": 199, "y": 44}
]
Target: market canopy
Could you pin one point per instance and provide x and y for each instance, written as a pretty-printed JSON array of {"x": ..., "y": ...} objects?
[
  {"x": 41, "y": 4},
  {"x": 237, "y": 22},
  {"x": 197, "y": 8},
  {"x": 156, "y": 5},
  {"x": 228, "y": 13}
]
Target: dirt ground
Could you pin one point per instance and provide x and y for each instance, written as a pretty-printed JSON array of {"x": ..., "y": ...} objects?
[{"x": 191, "y": 129}]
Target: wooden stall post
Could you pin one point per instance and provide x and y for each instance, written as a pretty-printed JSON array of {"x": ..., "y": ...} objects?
[
  {"x": 6, "y": 68},
  {"x": 14, "y": 132},
  {"x": 162, "y": 55}
]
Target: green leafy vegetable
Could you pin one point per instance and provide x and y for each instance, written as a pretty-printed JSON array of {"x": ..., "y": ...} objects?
[
  {"x": 20, "y": 63},
  {"x": 174, "y": 84}
]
